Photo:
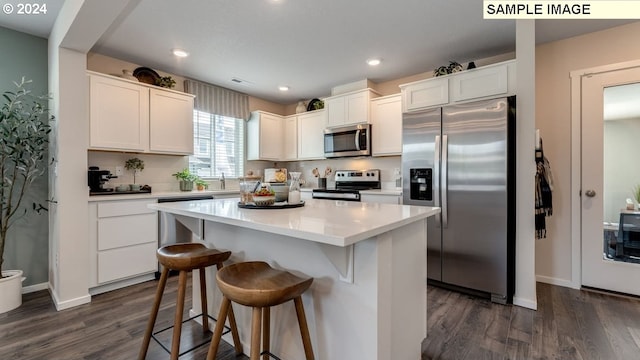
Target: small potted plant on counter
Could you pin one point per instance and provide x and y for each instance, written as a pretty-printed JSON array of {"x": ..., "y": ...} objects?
[
  {"x": 137, "y": 166},
  {"x": 201, "y": 184},
  {"x": 186, "y": 179}
]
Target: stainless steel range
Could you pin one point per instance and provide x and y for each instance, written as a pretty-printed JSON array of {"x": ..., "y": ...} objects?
[{"x": 348, "y": 185}]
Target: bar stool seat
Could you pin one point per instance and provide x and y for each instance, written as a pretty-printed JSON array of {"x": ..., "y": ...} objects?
[
  {"x": 258, "y": 285},
  {"x": 186, "y": 257}
]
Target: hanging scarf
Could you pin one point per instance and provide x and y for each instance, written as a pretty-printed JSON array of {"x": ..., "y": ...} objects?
[{"x": 544, "y": 187}]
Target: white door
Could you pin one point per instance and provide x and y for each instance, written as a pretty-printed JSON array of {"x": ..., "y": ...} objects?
[{"x": 610, "y": 170}]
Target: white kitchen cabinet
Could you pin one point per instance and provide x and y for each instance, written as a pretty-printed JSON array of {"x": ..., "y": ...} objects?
[
  {"x": 123, "y": 236},
  {"x": 119, "y": 113},
  {"x": 481, "y": 83},
  {"x": 348, "y": 109},
  {"x": 170, "y": 122},
  {"x": 386, "y": 125},
  {"x": 478, "y": 83},
  {"x": 265, "y": 136},
  {"x": 311, "y": 127},
  {"x": 290, "y": 138},
  {"x": 135, "y": 117},
  {"x": 425, "y": 94}
]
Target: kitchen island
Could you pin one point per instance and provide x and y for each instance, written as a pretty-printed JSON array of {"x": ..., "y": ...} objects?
[{"x": 368, "y": 261}]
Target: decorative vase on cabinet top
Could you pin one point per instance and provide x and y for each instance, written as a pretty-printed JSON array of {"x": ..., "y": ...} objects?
[{"x": 301, "y": 107}]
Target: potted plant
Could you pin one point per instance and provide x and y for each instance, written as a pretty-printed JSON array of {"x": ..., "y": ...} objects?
[
  {"x": 201, "y": 184},
  {"x": 137, "y": 166},
  {"x": 186, "y": 179},
  {"x": 24, "y": 130}
]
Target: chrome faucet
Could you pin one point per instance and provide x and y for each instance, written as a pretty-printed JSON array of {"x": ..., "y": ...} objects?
[{"x": 222, "y": 182}]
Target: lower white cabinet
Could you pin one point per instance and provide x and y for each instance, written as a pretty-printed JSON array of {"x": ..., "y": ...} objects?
[{"x": 123, "y": 240}]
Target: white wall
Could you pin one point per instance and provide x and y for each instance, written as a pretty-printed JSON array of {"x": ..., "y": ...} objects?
[
  {"x": 554, "y": 62},
  {"x": 525, "y": 294},
  {"x": 78, "y": 26}
]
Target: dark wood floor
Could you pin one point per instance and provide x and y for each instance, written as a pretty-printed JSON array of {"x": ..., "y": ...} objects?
[{"x": 569, "y": 324}]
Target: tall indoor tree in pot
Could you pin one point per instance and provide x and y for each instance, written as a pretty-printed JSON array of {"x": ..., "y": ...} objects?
[{"x": 24, "y": 137}]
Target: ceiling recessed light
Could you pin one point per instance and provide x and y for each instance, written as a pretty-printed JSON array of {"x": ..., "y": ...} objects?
[
  {"x": 180, "y": 53},
  {"x": 283, "y": 88},
  {"x": 374, "y": 62}
]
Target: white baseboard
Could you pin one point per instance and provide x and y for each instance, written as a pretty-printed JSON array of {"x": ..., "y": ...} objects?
[
  {"x": 35, "y": 287},
  {"x": 555, "y": 281},
  {"x": 67, "y": 304},
  {"x": 527, "y": 303}
]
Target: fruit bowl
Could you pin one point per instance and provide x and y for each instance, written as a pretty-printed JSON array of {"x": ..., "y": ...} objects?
[{"x": 264, "y": 200}]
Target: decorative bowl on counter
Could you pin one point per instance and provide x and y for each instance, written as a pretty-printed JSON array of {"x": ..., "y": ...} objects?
[
  {"x": 264, "y": 200},
  {"x": 281, "y": 190}
]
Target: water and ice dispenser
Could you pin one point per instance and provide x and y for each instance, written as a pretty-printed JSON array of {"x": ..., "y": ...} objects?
[{"x": 421, "y": 184}]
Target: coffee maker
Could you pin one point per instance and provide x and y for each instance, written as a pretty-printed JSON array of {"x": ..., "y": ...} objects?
[{"x": 97, "y": 178}]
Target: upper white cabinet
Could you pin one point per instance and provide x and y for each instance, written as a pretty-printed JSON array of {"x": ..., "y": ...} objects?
[
  {"x": 170, "y": 122},
  {"x": 290, "y": 138},
  {"x": 424, "y": 94},
  {"x": 133, "y": 117},
  {"x": 485, "y": 82},
  {"x": 350, "y": 108},
  {"x": 119, "y": 113},
  {"x": 479, "y": 83},
  {"x": 265, "y": 136},
  {"x": 311, "y": 127},
  {"x": 386, "y": 125}
]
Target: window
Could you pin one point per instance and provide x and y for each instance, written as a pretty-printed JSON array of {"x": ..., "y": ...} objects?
[{"x": 218, "y": 146}]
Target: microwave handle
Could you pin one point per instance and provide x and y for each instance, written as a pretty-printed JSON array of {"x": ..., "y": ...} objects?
[{"x": 358, "y": 139}]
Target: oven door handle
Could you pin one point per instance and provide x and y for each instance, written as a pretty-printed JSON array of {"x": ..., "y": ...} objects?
[{"x": 358, "y": 139}]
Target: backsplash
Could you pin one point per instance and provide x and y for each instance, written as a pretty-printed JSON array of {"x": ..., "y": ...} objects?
[
  {"x": 385, "y": 164},
  {"x": 158, "y": 169}
]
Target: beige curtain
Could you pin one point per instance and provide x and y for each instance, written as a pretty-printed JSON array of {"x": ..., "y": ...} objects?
[{"x": 218, "y": 100}]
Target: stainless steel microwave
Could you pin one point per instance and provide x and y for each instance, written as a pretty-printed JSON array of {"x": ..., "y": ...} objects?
[{"x": 354, "y": 140}]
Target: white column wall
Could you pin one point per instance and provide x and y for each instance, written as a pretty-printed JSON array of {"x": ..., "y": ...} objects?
[{"x": 525, "y": 139}]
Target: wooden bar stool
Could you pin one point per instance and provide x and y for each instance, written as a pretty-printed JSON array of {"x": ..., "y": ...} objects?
[
  {"x": 258, "y": 285},
  {"x": 186, "y": 257}
]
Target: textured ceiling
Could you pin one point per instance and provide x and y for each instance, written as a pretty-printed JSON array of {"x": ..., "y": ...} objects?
[{"x": 310, "y": 46}]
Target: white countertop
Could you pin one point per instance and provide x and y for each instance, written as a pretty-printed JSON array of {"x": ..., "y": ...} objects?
[
  {"x": 163, "y": 194},
  {"x": 339, "y": 223}
]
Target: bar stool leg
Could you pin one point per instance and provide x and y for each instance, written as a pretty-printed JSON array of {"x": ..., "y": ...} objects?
[
  {"x": 217, "y": 333},
  {"x": 203, "y": 301},
  {"x": 304, "y": 330},
  {"x": 177, "y": 323},
  {"x": 232, "y": 323},
  {"x": 266, "y": 332},
  {"x": 154, "y": 314},
  {"x": 255, "y": 333}
]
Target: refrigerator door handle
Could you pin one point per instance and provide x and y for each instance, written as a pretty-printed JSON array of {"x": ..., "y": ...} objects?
[
  {"x": 445, "y": 178},
  {"x": 436, "y": 178},
  {"x": 358, "y": 140}
]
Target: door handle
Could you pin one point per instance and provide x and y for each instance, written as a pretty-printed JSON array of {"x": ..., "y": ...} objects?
[
  {"x": 436, "y": 178},
  {"x": 590, "y": 193},
  {"x": 445, "y": 180}
]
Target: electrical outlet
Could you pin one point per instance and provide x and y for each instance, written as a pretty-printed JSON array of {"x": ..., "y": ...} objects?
[{"x": 119, "y": 170}]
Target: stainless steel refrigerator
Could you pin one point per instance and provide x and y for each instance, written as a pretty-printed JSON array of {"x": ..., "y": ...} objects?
[{"x": 462, "y": 159}]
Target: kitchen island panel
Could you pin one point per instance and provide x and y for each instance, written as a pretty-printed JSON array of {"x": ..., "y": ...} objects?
[{"x": 383, "y": 312}]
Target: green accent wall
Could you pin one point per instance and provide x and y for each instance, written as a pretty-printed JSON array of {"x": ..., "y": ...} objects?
[{"x": 28, "y": 244}]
